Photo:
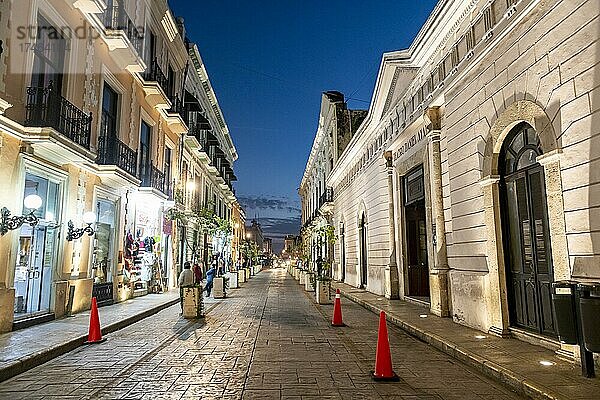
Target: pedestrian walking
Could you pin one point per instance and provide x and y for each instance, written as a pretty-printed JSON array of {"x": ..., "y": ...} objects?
[
  {"x": 186, "y": 279},
  {"x": 210, "y": 276}
]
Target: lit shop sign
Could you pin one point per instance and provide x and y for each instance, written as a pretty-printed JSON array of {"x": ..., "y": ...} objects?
[{"x": 410, "y": 143}]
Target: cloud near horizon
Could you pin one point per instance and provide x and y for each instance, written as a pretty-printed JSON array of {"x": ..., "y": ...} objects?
[
  {"x": 268, "y": 203},
  {"x": 278, "y": 216}
]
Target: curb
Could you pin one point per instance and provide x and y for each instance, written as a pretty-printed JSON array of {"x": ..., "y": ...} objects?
[
  {"x": 30, "y": 361},
  {"x": 508, "y": 378}
]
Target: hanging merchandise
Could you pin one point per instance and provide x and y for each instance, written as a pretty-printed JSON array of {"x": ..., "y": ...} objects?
[{"x": 140, "y": 285}]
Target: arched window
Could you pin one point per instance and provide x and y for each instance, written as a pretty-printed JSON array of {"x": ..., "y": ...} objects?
[{"x": 522, "y": 150}]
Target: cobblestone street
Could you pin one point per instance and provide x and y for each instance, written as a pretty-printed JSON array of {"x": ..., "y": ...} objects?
[{"x": 269, "y": 340}]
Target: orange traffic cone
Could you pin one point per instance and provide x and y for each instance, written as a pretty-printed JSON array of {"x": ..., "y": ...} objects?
[
  {"x": 94, "y": 335},
  {"x": 337, "y": 310},
  {"x": 383, "y": 358}
]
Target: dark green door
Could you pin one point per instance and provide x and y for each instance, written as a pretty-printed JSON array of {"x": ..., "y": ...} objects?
[{"x": 527, "y": 239}]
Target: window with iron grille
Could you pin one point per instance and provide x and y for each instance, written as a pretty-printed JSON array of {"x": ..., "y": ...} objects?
[
  {"x": 168, "y": 161},
  {"x": 441, "y": 72},
  {"x": 489, "y": 18},
  {"x": 454, "y": 58},
  {"x": 470, "y": 39},
  {"x": 145, "y": 151},
  {"x": 430, "y": 85}
]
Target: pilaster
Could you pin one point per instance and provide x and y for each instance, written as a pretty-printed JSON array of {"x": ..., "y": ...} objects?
[
  {"x": 495, "y": 281},
  {"x": 391, "y": 270},
  {"x": 438, "y": 270}
]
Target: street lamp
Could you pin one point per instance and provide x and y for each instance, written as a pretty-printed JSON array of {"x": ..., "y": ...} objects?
[
  {"x": 190, "y": 185},
  {"x": 72, "y": 233},
  {"x": 8, "y": 223}
]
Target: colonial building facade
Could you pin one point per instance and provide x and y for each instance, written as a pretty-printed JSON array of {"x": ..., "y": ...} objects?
[
  {"x": 470, "y": 186},
  {"x": 336, "y": 126},
  {"x": 98, "y": 100}
]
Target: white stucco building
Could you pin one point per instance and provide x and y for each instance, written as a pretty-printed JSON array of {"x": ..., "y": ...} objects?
[{"x": 471, "y": 186}]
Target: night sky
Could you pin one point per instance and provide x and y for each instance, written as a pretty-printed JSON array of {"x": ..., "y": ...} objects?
[{"x": 270, "y": 60}]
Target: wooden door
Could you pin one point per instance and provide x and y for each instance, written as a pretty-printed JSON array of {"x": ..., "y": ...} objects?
[{"x": 418, "y": 268}]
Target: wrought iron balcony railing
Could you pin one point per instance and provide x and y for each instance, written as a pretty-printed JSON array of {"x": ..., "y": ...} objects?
[
  {"x": 116, "y": 18},
  {"x": 112, "y": 151},
  {"x": 155, "y": 74},
  {"x": 47, "y": 108},
  {"x": 155, "y": 179},
  {"x": 197, "y": 130},
  {"x": 178, "y": 107},
  {"x": 326, "y": 197}
]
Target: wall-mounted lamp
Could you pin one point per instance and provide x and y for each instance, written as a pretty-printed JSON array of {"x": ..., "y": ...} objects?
[
  {"x": 89, "y": 218},
  {"x": 8, "y": 223},
  {"x": 190, "y": 185}
]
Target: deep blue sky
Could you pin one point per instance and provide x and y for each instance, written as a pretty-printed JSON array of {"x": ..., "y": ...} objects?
[{"x": 270, "y": 60}]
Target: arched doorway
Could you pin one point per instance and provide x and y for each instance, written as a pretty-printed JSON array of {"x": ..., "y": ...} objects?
[
  {"x": 526, "y": 233},
  {"x": 362, "y": 238},
  {"x": 342, "y": 252}
]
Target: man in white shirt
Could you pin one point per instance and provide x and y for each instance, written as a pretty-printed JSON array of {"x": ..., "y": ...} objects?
[{"x": 186, "y": 278}]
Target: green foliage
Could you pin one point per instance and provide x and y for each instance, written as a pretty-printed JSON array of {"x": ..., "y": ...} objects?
[
  {"x": 204, "y": 217},
  {"x": 178, "y": 195},
  {"x": 173, "y": 214},
  {"x": 249, "y": 249},
  {"x": 325, "y": 272},
  {"x": 327, "y": 232}
]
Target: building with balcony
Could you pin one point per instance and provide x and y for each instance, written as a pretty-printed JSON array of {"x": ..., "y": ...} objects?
[
  {"x": 206, "y": 180},
  {"x": 100, "y": 124},
  {"x": 336, "y": 126},
  {"x": 238, "y": 219},
  {"x": 469, "y": 187}
]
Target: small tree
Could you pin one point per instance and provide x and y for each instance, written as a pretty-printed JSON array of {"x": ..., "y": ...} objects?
[
  {"x": 326, "y": 233},
  {"x": 206, "y": 220}
]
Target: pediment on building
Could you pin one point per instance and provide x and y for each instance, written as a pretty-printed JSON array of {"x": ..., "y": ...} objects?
[{"x": 395, "y": 76}]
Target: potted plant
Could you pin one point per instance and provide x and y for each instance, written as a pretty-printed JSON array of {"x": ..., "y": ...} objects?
[
  {"x": 323, "y": 278},
  {"x": 309, "y": 284},
  {"x": 323, "y": 285}
]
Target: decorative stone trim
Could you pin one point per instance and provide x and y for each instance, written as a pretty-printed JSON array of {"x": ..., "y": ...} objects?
[
  {"x": 510, "y": 12},
  {"x": 489, "y": 180},
  {"x": 4, "y": 105},
  {"x": 550, "y": 157}
]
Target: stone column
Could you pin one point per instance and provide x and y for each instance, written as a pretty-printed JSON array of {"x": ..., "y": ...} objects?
[
  {"x": 391, "y": 270},
  {"x": 495, "y": 281},
  {"x": 438, "y": 270}
]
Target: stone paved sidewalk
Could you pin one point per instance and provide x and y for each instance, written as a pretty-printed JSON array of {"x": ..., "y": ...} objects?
[
  {"x": 511, "y": 361},
  {"x": 24, "y": 349}
]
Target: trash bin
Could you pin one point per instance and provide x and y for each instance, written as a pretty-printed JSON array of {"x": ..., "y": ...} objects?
[
  {"x": 563, "y": 300},
  {"x": 589, "y": 304}
]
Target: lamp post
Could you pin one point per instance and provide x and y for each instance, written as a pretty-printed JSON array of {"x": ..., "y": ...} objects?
[
  {"x": 75, "y": 233},
  {"x": 9, "y": 223}
]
